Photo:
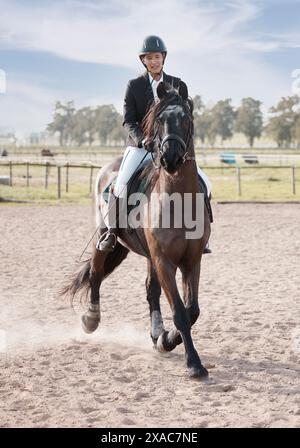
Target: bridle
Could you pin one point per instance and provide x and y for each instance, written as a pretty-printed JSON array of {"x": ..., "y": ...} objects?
[{"x": 160, "y": 143}]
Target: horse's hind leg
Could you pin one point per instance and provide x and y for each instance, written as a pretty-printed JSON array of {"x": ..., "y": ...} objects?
[
  {"x": 102, "y": 264},
  {"x": 91, "y": 318},
  {"x": 153, "y": 295}
]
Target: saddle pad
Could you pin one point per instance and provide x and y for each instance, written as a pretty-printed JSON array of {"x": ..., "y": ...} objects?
[
  {"x": 138, "y": 185},
  {"x": 135, "y": 185}
]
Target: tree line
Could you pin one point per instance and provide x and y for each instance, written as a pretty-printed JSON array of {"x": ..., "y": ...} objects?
[{"x": 104, "y": 123}]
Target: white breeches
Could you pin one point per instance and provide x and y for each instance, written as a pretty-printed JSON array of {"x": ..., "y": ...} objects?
[{"x": 131, "y": 161}]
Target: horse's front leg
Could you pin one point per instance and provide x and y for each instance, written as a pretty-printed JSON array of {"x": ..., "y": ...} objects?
[
  {"x": 166, "y": 274},
  {"x": 190, "y": 284},
  {"x": 153, "y": 295}
]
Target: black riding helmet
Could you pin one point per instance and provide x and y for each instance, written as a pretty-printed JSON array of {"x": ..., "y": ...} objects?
[{"x": 153, "y": 44}]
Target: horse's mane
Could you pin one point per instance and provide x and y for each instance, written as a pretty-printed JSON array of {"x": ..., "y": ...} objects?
[
  {"x": 171, "y": 98},
  {"x": 150, "y": 173}
]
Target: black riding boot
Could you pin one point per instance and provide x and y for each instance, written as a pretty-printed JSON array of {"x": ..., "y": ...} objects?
[{"x": 107, "y": 242}]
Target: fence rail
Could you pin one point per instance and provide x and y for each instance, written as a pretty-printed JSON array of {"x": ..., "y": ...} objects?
[
  {"x": 47, "y": 165},
  {"x": 92, "y": 166}
]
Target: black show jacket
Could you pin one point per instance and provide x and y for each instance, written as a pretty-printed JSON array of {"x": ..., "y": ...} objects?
[{"x": 138, "y": 99}]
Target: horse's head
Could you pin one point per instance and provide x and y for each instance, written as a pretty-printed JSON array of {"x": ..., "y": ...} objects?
[{"x": 172, "y": 127}]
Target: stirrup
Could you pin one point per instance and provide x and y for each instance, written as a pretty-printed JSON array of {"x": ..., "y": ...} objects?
[{"x": 207, "y": 250}]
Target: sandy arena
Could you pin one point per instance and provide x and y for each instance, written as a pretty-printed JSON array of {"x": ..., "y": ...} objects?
[{"x": 248, "y": 334}]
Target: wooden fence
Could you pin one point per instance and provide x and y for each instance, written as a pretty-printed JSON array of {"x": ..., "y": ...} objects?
[
  {"x": 91, "y": 166},
  {"x": 47, "y": 165}
]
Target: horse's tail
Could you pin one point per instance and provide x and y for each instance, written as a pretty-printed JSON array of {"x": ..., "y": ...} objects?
[{"x": 79, "y": 281}]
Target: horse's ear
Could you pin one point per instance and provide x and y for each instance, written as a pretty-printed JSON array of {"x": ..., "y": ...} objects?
[
  {"x": 183, "y": 90},
  {"x": 161, "y": 90}
]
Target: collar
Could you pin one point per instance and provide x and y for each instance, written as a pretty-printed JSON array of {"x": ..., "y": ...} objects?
[{"x": 153, "y": 81}]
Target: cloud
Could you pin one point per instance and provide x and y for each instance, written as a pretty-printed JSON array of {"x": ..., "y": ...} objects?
[
  {"x": 212, "y": 46},
  {"x": 24, "y": 105},
  {"x": 27, "y": 108},
  {"x": 111, "y": 33}
]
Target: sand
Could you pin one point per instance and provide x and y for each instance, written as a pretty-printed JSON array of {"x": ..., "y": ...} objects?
[{"x": 248, "y": 334}]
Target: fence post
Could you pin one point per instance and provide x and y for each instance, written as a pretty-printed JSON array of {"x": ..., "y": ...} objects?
[
  {"x": 59, "y": 182},
  {"x": 46, "y": 175},
  {"x": 294, "y": 179},
  {"x": 10, "y": 174},
  {"x": 27, "y": 174},
  {"x": 67, "y": 177},
  {"x": 91, "y": 179},
  {"x": 238, "y": 172}
]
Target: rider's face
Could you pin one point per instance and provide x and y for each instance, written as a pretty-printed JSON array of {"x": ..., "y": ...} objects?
[{"x": 154, "y": 62}]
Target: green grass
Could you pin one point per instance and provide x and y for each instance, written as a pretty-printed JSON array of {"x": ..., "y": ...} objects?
[
  {"x": 78, "y": 191},
  {"x": 77, "y": 195},
  {"x": 263, "y": 184}
]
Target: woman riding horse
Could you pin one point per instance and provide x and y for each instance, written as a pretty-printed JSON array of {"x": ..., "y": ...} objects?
[
  {"x": 140, "y": 95},
  {"x": 168, "y": 130}
]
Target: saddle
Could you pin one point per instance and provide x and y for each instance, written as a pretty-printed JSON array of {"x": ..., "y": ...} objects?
[{"x": 138, "y": 184}]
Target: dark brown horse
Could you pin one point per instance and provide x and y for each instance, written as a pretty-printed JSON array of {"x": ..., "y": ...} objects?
[{"x": 169, "y": 126}]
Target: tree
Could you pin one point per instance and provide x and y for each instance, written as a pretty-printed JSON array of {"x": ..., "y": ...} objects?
[
  {"x": 249, "y": 119},
  {"x": 296, "y": 130},
  {"x": 281, "y": 125},
  {"x": 223, "y": 116},
  {"x": 198, "y": 105},
  {"x": 203, "y": 123},
  {"x": 85, "y": 126},
  {"x": 63, "y": 122},
  {"x": 106, "y": 120},
  {"x": 118, "y": 135},
  {"x": 79, "y": 129}
]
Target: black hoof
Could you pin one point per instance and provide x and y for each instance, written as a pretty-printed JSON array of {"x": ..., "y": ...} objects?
[
  {"x": 163, "y": 344},
  {"x": 89, "y": 324},
  {"x": 199, "y": 373}
]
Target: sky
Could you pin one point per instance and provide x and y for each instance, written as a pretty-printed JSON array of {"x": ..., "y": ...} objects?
[{"x": 87, "y": 51}]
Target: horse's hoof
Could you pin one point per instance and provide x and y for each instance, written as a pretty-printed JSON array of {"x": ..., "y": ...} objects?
[
  {"x": 163, "y": 344},
  {"x": 160, "y": 343},
  {"x": 89, "y": 325},
  {"x": 90, "y": 321},
  {"x": 199, "y": 373},
  {"x": 154, "y": 340}
]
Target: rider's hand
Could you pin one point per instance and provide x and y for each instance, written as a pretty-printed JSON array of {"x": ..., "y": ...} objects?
[{"x": 148, "y": 145}]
